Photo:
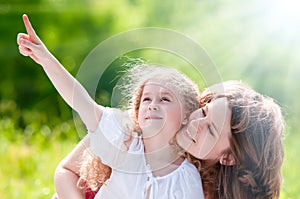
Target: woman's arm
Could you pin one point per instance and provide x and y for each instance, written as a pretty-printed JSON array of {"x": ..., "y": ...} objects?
[
  {"x": 67, "y": 173},
  {"x": 67, "y": 86}
]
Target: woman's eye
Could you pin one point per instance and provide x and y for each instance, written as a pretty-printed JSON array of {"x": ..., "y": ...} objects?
[
  {"x": 210, "y": 131},
  {"x": 203, "y": 112}
]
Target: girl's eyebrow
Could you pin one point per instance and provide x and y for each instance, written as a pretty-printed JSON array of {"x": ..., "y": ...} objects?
[
  {"x": 161, "y": 93},
  {"x": 166, "y": 93}
]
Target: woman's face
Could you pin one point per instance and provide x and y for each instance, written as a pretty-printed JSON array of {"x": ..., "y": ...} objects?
[{"x": 208, "y": 131}]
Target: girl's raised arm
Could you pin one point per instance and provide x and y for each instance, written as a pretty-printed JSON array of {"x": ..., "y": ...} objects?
[{"x": 67, "y": 86}]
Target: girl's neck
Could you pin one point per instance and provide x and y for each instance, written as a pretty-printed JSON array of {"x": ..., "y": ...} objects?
[
  {"x": 162, "y": 159},
  {"x": 151, "y": 145},
  {"x": 156, "y": 143}
]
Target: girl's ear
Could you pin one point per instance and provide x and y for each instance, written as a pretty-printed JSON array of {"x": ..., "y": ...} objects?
[
  {"x": 227, "y": 159},
  {"x": 185, "y": 120}
]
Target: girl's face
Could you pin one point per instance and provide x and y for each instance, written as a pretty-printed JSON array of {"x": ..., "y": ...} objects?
[
  {"x": 208, "y": 132},
  {"x": 161, "y": 112}
]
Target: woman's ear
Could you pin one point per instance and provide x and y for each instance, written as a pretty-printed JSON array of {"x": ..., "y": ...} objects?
[{"x": 227, "y": 159}]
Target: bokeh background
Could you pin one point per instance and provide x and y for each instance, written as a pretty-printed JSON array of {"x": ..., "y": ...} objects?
[{"x": 254, "y": 41}]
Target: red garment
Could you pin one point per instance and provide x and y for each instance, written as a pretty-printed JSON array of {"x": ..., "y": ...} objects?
[{"x": 90, "y": 194}]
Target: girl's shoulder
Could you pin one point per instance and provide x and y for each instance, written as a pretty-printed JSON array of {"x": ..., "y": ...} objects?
[{"x": 120, "y": 118}]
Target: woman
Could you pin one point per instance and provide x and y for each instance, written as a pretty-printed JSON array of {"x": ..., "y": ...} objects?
[
  {"x": 234, "y": 139},
  {"x": 242, "y": 153}
]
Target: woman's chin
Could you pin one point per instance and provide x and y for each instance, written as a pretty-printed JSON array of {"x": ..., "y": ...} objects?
[{"x": 183, "y": 140}]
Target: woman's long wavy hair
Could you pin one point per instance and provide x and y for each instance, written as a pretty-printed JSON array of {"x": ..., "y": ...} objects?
[{"x": 256, "y": 143}]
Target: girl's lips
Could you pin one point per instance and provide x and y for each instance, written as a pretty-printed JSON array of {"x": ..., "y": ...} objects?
[{"x": 153, "y": 117}]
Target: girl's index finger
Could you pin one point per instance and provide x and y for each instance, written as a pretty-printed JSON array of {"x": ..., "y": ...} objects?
[{"x": 29, "y": 28}]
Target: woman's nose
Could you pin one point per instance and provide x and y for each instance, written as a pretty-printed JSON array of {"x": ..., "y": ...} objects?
[{"x": 197, "y": 125}]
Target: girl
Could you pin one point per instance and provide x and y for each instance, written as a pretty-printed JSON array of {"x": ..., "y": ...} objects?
[{"x": 136, "y": 144}]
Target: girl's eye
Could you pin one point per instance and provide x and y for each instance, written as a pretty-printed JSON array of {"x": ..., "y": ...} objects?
[
  {"x": 146, "y": 99},
  {"x": 165, "y": 99}
]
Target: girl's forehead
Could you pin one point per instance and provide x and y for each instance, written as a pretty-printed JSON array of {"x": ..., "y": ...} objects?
[
  {"x": 160, "y": 86},
  {"x": 155, "y": 81}
]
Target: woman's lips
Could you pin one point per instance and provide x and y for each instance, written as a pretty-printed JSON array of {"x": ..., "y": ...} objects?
[{"x": 188, "y": 135}]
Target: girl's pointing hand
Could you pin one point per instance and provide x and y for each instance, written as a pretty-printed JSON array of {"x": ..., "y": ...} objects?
[{"x": 30, "y": 44}]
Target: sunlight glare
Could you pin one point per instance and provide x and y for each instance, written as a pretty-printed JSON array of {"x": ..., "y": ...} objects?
[
  {"x": 290, "y": 8},
  {"x": 286, "y": 11}
]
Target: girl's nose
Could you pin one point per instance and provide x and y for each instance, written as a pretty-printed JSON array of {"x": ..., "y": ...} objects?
[{"x": 152, "y": 107}]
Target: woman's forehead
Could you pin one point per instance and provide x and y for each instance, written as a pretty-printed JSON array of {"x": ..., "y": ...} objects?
[
  {"x": 218, "y": 104},
  {"x": 216, "y": 89}
]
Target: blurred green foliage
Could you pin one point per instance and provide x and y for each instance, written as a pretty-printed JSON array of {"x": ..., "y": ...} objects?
[{"x": 255, "y": 41}]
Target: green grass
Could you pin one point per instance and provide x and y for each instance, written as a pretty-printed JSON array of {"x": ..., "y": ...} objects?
[
  {"x": 28, "y": 161},
  {"x": 29, "y": 158},
  {"x": 27, "y": 170},
  {"x": 291, "y": 171}
]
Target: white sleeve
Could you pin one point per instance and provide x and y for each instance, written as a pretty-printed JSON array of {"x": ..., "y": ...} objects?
[{"x": 107, "y": 141}]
